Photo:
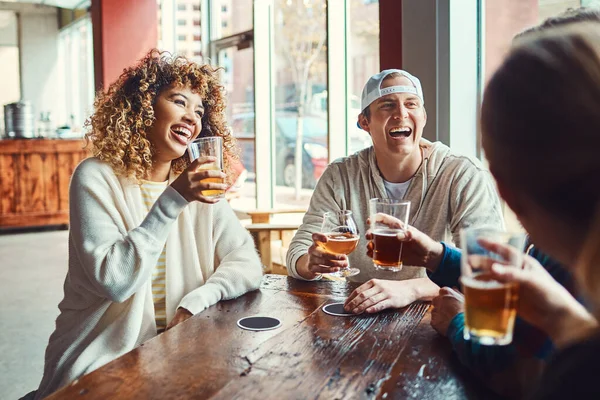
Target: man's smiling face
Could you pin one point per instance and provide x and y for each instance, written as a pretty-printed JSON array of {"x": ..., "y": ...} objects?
[{"x": 397, "y": 120}]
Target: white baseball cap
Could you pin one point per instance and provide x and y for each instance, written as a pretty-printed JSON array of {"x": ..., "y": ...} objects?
[{"x": 373, "y": 91}]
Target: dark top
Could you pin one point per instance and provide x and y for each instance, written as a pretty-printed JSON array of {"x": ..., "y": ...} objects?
[{"x": 572, "y": 373}]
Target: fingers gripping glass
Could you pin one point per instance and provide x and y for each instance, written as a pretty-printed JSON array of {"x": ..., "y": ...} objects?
[
  {"x": 211, "y": 146},
  {"x": 490, "y": 306},
  {"x": 342, "y": 237},
  {"x": 388, "y": 219}
]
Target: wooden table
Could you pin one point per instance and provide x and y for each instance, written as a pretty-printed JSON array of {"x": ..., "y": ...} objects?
[
  {"x": 264, "y": 216},
  {"x": 391, "y": 355}
]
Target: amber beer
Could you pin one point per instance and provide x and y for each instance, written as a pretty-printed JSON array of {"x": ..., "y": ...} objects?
[
  {"x": 339, "y": 243},
  {"x": 490, "y": 309},
  {"x": 211, "y": 193},
  {"x": 387, "y": 249}
]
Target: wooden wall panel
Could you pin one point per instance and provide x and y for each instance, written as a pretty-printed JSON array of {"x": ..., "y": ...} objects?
[
  {"x": 34, "y": 180},
  {"x": 7, "y": 184},
  {"x": 50, "y": 177},
  {"x": 34, "y": 193}
]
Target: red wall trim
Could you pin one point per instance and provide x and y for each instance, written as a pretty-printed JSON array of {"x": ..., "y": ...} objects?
[
  {"x": 390, "y": 34},
  {"x": 124, "y": 31}
]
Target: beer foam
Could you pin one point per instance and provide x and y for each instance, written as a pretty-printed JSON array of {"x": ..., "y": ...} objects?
[
  {"x": 387, "y": 232},
  {"x": 337, "y": 237},
  {"x": 474, "y": 283}
]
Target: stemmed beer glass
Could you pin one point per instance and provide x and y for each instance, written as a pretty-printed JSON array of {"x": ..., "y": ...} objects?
[{"x": 342, "y": 237}]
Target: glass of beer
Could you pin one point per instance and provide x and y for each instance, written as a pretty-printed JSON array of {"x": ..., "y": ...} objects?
[
  {"x": 342, "y": 237},
  {"x": 210, "y": 146},
  {"x": 490, "y": 306},
  {"x": 387, "y": 249}
]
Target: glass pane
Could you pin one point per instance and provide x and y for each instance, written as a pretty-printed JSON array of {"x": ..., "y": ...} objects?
[
  {"x": 363, "y": 62},
  {"x": 238, "y": 80},
  {"x": 300, "y": 99},
  {"x": 503, "y": 20},
  {"x": 230, "y": 17},
  {"x": 179, "y": 28},
  {"x": 77, "y": 70}
]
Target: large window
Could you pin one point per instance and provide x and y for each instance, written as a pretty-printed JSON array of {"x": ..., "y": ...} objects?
[
  {"x": 279, "y": 60},
  {"x": 231, "y": 49},
  {"x": 77, "y": 68},
  {"x": 503, "y": 20},
  {"x": 362, "y": 62},
  {"x": 300, "y": 78},
  {"x": 179, "y": 30}
]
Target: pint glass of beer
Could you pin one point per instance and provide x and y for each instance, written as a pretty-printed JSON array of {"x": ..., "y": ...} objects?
[
  {"x": 204, "y": 147},
  {"x": 342, "y": 237},
  {"x": 387, "y": 248},
  {"x": 490, "y": 306}
]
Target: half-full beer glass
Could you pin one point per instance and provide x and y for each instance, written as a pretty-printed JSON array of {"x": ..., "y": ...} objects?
[
  {"x": 342, "y": 237},
  {"x": 211, "y": 146},
  {"x": 387, "y": 249},
  {"x": 490, "y": 306}
]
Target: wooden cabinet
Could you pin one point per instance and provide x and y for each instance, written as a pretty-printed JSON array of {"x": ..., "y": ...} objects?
[{"x": 34, "y": 180}]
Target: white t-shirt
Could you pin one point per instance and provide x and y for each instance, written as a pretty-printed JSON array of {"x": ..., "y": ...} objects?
[{"x": 396, "y": 190}]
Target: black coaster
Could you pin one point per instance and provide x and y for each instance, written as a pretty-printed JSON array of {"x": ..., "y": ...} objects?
[
  {"x": 259, "y": 323},
  {"x": 337, "y": 309}
]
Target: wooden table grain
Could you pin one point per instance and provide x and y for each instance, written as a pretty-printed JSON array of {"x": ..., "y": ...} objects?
[{"x": 394, "y": 354}]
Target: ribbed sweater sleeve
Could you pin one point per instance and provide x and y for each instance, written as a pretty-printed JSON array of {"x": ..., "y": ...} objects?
[
  {"x": 116, "y": 262},
  {"x": 474, "y": 201},
  {"x": 238, "y": 267}
]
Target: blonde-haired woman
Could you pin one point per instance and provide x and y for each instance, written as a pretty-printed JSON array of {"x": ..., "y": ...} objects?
[
  {"x": 146, "y": 249},
  {"x": 541, "y": 134}
]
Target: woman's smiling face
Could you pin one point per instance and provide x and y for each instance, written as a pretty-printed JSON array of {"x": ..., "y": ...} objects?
[{"x": 178, "y": 120}]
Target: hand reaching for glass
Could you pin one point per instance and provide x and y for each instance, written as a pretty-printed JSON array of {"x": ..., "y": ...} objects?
[
  {"x": 543, "y": 302},
  {"x": 418, "y": 248}
]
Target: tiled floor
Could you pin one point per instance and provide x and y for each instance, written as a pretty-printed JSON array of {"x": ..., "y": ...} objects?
[{"x": 32, "y": 272}]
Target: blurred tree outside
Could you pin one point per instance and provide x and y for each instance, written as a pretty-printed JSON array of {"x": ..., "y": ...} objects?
[{"x": 301, "y": 38}]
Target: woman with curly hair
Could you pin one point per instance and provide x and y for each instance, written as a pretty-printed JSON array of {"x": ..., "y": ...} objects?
[{"x": 146, "y": 249}]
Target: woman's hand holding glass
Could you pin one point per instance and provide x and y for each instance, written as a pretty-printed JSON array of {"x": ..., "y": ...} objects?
[
  {"x": 194, "y": 180},
  {"x": 543, "y": 302}
]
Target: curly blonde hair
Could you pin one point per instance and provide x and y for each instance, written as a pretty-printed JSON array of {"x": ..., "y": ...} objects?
[{"x": 117, "y": 131}]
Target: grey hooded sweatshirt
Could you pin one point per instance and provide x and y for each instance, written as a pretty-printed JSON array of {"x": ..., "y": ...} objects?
[{"x": 448, "y": 192}]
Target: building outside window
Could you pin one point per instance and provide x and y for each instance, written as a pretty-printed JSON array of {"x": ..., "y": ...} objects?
[{"x": 179, "y": 30}]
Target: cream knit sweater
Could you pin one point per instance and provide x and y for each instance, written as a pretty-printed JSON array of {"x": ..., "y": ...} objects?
[{"x": 107, "y": 309}]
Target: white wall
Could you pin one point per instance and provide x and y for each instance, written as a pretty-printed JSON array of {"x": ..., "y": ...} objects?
[
  {"x": 9, "y": 66},
  {"x": 40, "y": 78}
]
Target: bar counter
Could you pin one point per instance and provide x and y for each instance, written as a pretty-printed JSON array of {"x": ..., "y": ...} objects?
[{"x": 34, "y": 180}]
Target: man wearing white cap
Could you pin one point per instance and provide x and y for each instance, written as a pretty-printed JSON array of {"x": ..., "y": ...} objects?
[{"x": 447, "y": 192}]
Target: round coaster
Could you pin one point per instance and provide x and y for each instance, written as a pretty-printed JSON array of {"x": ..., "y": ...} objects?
[
  {"x": 337, "y": 309},
  {"x": 259, "y": 323}
]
